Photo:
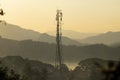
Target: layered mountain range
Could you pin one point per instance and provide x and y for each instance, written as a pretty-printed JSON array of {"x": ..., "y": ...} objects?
[
  {"x": 15, "y": 32},
  {"x": 36, "y": 48},
  {"x": 34, "y": 45},
  {"x": 109, "y": 38},
  {"x": 46, "y": 52}
]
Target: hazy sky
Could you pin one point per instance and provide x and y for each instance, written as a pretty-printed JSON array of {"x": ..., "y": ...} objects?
[{"x": 93, "y": 16}]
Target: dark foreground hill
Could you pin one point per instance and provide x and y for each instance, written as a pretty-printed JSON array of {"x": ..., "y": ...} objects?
[
  {"x": 46, "y": 52},
  {"x": 36, "y": 70},
  {"x": 97, "y": 69},
  {"x": 30, "y": 69}
]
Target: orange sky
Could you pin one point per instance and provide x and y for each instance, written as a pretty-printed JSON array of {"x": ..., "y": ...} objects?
[{"x": 94, "y": 16}]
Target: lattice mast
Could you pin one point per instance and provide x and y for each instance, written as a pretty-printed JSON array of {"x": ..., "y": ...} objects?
[{"x": 59, "y": 60}]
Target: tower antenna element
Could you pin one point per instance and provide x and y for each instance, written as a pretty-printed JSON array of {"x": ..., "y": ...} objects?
[{"x": 59, "y": 59}]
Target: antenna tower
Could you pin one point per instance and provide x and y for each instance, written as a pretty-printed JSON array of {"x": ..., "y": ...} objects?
[{"x": 59, "y": 60}]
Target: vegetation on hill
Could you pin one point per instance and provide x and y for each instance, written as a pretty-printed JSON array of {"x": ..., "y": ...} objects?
[{"x": 46, "y": 52}]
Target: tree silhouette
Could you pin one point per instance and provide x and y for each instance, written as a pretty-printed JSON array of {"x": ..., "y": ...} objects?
[
  {"x": 6, "y": 75},
  {"x": 44, "y": 74},
  {"x": 3, "y": 73},
  {"x": 112, "y": 72}
]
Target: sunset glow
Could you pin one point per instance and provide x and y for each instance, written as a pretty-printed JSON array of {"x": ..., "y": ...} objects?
[{"x": 93, "y": 16}]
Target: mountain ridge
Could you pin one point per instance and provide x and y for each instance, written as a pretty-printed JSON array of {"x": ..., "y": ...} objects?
[
  {"x": 46, "y": 52},
  {"x": 108, "y": 38},
  {"x": 17, "y": 33},
  {"x": 74, "y": 34}
]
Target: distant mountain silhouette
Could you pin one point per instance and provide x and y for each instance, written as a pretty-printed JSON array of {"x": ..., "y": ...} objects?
[
  {"x": 46, "y": 52},
  {"x": 73, "y": 34},
  {"x": 15, "y": 32},
  {"x": 108, "y": 38}
]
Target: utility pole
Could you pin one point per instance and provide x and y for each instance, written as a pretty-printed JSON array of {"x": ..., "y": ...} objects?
[{"x": 59, "y": 60}]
